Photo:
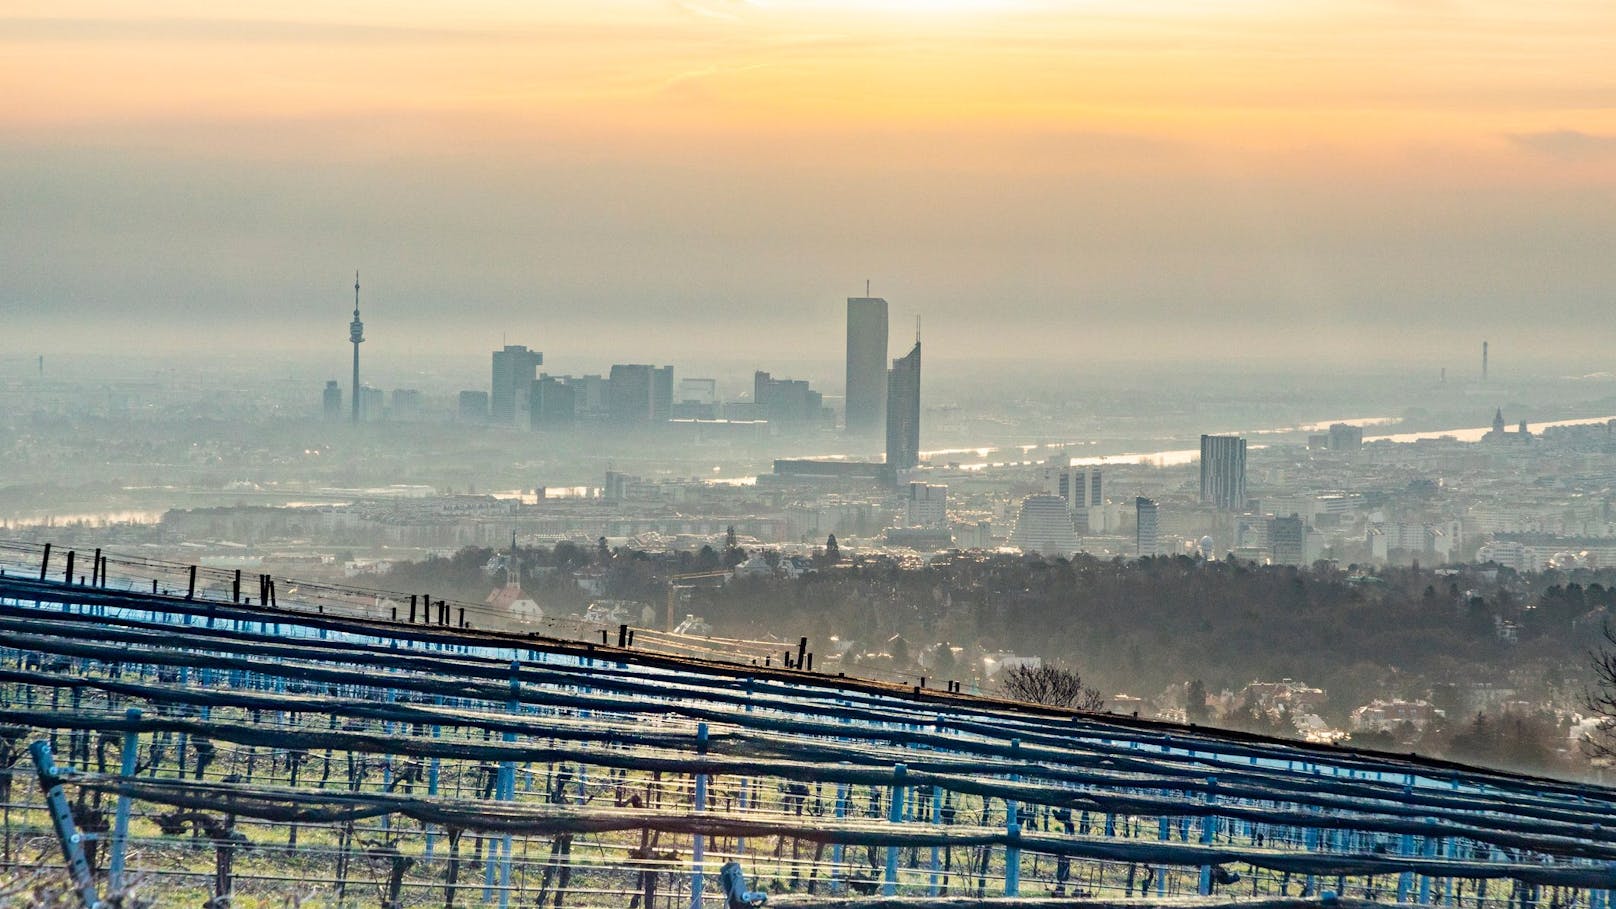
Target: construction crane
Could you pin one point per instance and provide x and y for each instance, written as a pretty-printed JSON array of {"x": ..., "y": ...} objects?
[{"x": 676, "y": 583}]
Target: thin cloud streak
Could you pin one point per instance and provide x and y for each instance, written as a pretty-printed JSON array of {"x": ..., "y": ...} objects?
[{"x": 1568, "y": 144}]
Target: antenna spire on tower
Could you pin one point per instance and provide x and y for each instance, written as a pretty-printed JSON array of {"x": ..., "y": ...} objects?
[
  {"x": 356, "y": 336},
  {"x": 866, "y": 287},
  {"x": 917, "y": 328}
]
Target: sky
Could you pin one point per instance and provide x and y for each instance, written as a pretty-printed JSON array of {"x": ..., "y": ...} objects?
[{"x": 661, "y": 180}]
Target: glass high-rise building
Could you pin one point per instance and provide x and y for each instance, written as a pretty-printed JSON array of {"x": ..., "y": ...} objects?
[
  {"x": 1287, "y": 539},
  {"x": 1223, "y": 472},
  {"x": 1081, "y": 487},
  {"x": 552, "y": 403},
  {"x": 333, "y": 401},
  {"x": 630, "y": 394},
  {"x": 662, "y": 394},
  {"x": 903, "y": 411},
  {"x": 1147, "y": 526},
  {"x": 866, "y": 364},
  {"x": 1044, "y": 526},
  {"x": 474, "y": 407},
  {"x": 515, "y": 368}
]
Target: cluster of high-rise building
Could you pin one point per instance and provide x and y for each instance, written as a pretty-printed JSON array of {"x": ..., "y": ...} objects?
[
  {"x": 641, "y": 395},
  {"x": 879, "y": 395},
  {"x": 519, "y": 395},
  {"x": 1073, "y": 505}
]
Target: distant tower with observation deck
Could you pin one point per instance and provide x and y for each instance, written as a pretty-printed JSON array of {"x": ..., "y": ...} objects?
[{"x": 356, "y": 335}]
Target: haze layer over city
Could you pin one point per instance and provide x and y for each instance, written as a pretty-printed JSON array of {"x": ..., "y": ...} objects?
[{"x": 768, "y": 409}]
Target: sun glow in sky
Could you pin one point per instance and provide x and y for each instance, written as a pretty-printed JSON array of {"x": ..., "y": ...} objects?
[{"x": 1263, "y": 171}]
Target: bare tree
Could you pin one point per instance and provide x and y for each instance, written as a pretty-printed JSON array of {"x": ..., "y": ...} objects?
[
  {"x": 1601, "y": 700},
  {"x": 1052, "y": 686}
]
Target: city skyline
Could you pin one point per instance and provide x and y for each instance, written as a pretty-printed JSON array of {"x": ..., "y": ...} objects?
[{"x": 1267, "y": 408}]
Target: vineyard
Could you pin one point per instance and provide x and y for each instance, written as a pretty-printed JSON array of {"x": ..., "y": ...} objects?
[{"x": 203, "y": 739}]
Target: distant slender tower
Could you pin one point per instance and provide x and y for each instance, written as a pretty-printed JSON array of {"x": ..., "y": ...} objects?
[
  {"x": 1484, "y": 361},
  {"x": 356, "y": 334}
]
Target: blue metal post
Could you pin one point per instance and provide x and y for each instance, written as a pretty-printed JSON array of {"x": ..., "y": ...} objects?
[
  {"x": 432, "y": 785},
  {"x": 130, "y": 756},
  {"x": 836, "y": 848},
  {"x": 1164, "y": 834},
  {"x": 698, "y": 851},
  {"x": 740, "y": 842},
  {"x": 1405, "y": 846},
  {"x": 508, "y": 771},
  {"x": 1209, "y": 830},
  {"x": 1447, "y": 852},
  {"x": 78, "y": 867},
  {"x": 936, "y": 820},
  {"x": 504, "y": 791},
  {"x": 1429, "y": 849},
  {"x": 1310, "y": 839},
  {"x": 1012, "y": 829},
  {"x": 894, "y": 815}
]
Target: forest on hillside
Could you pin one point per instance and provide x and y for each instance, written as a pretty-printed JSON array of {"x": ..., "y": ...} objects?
[{"x": 1144, "y": 627}]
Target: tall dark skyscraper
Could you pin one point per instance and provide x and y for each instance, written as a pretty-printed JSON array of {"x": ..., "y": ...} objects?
[
  {"x": 903, "y": 411},
  {"x": 662, "y": 394},
  {"x": 784, "y": 401},
  {"x": 1287, "y": 540},
  {"x": 866, "y": 364},
  {"x": 515, "y": 368},
  {"x": 1223, "y": 472},
  {"x": 474, "y": 407},
  {"x": 553, "y": 403},
  {"x": 333, "y": 401},
  {"x": 356, "y": 335},
  {"x": 631, "y": 394},
  {"x": 1147, "y": 526}
]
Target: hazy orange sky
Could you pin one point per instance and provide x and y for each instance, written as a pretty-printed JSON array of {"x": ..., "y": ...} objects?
[{"x": 662, "y": 180}]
